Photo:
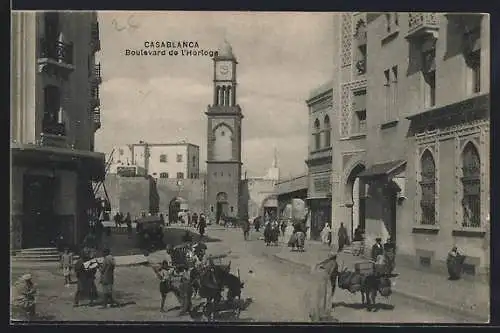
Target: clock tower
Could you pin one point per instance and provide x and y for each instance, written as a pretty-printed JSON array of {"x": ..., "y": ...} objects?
[{"x": 224, "y": 139}]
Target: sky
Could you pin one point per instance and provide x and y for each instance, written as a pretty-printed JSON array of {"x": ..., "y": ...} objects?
[{"x": 161, "y": 99}]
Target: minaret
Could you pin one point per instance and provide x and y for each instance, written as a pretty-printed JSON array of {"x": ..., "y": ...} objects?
[{"x": 274, "y": 172}]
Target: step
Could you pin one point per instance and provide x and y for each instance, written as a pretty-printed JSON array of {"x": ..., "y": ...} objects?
[
  {"x": 38, "y": 252},
  {"x": 33, "y": 259}
]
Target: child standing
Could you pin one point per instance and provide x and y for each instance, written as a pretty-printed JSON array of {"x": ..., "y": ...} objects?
[{"x": 67, "y": 264}]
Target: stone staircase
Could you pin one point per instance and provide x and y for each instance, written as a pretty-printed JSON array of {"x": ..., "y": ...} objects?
[{"x": 42, "y": 254}]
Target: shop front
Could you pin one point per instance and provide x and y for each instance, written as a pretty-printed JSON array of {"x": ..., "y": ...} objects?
[{"x": 52, "y": 193}]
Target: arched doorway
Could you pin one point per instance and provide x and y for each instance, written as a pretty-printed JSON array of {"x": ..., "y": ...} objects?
[
  {"x": 270, "y": 207},
  {"x": 222, "y": 204},
  {"x": 355, "y": 200},
  {"x": 174, "y": 207}
]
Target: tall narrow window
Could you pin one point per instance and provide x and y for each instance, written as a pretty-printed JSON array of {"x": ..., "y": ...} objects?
[
  {"x": 394, "y": 93},
  {"x": 471, "y": 183},
  {"x": 179, "y": 158},
  {"x": 360, "y": 37},
  {"x": 472, "y": 50},
  {"x": 387, "y": 87},
  {"x": 52, "y": 114},
  {"x": 194, "y": 161},
  {"x": 327, "y": 131},
  {"x": 428, "y": 188},
  {"x": 163, "y": 158},
  {"x": 429, "y": 71},
  {"x": 317, "y": 135},
  {"x": 51, "y": 21},
  {"x": 359, "y": 108}
]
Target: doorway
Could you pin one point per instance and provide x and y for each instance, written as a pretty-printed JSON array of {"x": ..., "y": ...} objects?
[
  {"x": 173, "y": 210},
  {"x": 40, "y": 225},
  {"x": 221, "y": 206}
]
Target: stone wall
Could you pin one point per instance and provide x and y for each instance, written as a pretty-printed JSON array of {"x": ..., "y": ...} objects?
[{"x": 136, "y": 194}]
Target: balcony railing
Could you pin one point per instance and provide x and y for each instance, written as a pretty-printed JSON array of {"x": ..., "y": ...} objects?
[
  {"x": 95, "y": 40},
  {"x": 97, "y": 117},
  {"x": 56, "y": 50},
  {"x": 97, "y": 73},
  {"x": 95, "y": 100},
  {"x": 426, "y": 23},
  {"x": 53, "y": 135}
]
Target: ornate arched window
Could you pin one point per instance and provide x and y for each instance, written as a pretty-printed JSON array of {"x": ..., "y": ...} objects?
[
  {"x": 327, "y": 131},
  {"x": 428, "y": 188},
  {"x": 471, "y": 174},
  {"x": 317, "y": 134}
]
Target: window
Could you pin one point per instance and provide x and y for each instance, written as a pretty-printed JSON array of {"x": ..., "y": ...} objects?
[
  {"x": 327, "y": 131},
  {"x": 232, "y": 209},
  {"x": 360, "y": 37},
  {"x": 179, "y": 158},
  {"x": 163, "y": 158},
  {"x": 194, "y": 161},
  {"x": 212, "y": 209},
  {"x": 180, "y": 175},
  {"x": 474, "y": 64},
  {"x": 472, "y": 52},
  {"x": 317, "y": 135},
  {"x": 52, "y": 114},
  {"x": 359, "y": 108},
  {"x": 429, "y": 71},
  {"x": 164, "y": 175},
  {"x": 51, "y": 26},
  {"x": 391, "y": 88},
  {"x": 191, "y": 176},
  {"x": 428, "y": 188},
  {"x": 471, "y": 200},
  {"x": 222, "y": 174}
]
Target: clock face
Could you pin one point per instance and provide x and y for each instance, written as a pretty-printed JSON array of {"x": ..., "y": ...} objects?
[{"x": 224, "y": 71}]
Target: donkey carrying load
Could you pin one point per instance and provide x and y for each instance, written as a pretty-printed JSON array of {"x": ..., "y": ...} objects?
[{"x": 368, "y": 279}]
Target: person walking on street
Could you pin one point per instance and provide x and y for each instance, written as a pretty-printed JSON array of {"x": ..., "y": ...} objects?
[
  {"x": 128, "y": 222},
  {"x": 107, "y": 278},
  {"x": 23, "y": 298},
  {"x": 81, "y": 278},
  {"x": 342, "y": 237},
  {"x": 331, "y": 267},
  {"x": 67, "y": 265},
  {"x": 377, "y": 249},
  {"x": 202, "y": 225},
  {"x": 246, "y": 229}
]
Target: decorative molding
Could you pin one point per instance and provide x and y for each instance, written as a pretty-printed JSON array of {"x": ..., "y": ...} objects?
[
  {"x": 424, "y": 230},
  {"x": 347, "y": 33},
  {"x": 469, "y": 233},
  {"x": 346, "y": 104}
]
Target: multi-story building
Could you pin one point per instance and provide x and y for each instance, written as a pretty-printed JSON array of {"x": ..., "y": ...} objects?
[
  {"x": 160, "y": 160},
  {"x": 411, "y": 156},
  {"x": 319, "y": 161},
  {"x": 54, "y": 115}
]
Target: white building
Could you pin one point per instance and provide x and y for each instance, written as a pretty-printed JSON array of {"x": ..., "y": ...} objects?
[{"x": 160, "y": 160}]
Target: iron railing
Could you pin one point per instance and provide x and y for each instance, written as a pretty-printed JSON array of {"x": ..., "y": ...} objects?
[{"x": 56, "y": 50}]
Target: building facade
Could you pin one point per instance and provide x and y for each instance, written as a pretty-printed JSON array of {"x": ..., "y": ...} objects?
[
  {"x": 412, "y": 152},
  {"x": 160, "y": 160},
  {"x": 319, "y": 161},
  {"x": 224, "y": 118},
  {"x": 54, "y": 115}
]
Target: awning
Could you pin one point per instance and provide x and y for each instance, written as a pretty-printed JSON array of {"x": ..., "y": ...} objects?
[
  {"x": 382, "y": 169},
  {"x": 87, "y": 162}
]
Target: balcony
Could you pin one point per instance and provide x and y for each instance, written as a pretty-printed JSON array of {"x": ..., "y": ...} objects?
[
  {"x": 95, "y": 101},
  {"x": 361, "y": 67},
  {"x": 55, "y": 57},
  {"x": 421, "y": 24},
  {"x": 97, "y": 117},
  {"x": 97, "y": 73},
  {"x": 94, "y": 37},
  {"x": 54, "y": 135}
]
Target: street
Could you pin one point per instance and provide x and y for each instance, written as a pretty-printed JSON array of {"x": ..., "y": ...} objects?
[{"x": 274, "y": 291}]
